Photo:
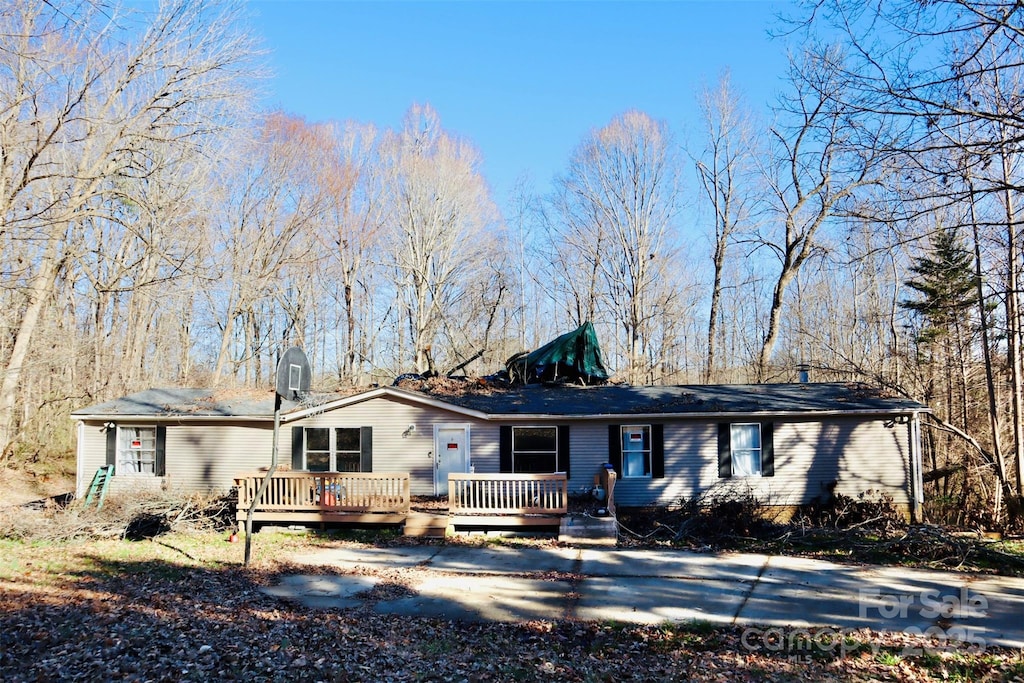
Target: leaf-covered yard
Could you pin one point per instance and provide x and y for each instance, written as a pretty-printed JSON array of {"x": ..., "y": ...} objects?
[{"x": 181, "y": 607}]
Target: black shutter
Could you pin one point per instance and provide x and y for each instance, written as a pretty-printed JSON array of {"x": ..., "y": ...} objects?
[
  {"x": 562, "y": 459},
  {"x": 615, "y": 448},
  {"x": 297, "y": 446},
  {"x": 767, "y": 449},
  {"x": 112, "y": 446},
  {"x": 657, "y": 451},
  {"x": 161, "y": 450},
  {"x": 504, "y": 448},
  {"x": 724, "y": 450},
  {"x": 366, "y": 449}
]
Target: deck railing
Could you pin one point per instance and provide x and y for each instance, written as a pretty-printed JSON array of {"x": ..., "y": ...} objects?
[
  {"x": 355, "y": 492},
  {"x": 507, "y": 494}
]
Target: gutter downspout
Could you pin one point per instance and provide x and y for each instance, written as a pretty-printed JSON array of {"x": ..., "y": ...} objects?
[
  {"x": 917, "y": 476},
  {"x": 79, "y": 460}
]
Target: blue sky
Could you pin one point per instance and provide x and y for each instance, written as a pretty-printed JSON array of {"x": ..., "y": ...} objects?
[{"x": 525, "y": 81}]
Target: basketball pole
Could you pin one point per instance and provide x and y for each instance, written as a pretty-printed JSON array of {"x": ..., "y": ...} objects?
[{"x": 266, "y": 479}]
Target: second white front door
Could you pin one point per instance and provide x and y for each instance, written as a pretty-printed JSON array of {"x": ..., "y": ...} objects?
[{"x": 451, "y": 445}]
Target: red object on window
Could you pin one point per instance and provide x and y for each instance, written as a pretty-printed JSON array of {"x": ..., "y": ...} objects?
[{"x": 136, "y": 443}]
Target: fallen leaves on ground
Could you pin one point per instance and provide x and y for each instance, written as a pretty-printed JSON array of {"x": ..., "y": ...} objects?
[{"x": 183, "y": 609}]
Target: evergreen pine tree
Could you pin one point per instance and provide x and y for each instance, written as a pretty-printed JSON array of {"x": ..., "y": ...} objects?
[{"x": 945, "y": 283}]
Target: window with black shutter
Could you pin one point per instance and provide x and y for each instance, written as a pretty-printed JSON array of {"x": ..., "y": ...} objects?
[
  {"x": 332, "y": 449},
  {"x": 534, "y": 449},
  {"x": 637, "y": 451},
  {"x": 746, "y": 449}
]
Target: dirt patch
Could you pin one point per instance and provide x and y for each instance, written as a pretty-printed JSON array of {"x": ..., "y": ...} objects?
[{"x": 18, "y": 487}]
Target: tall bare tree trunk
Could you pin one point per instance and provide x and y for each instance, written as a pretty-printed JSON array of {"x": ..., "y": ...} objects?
[
  {"x": 50, "y": 265},
  {"x": 1013, "y": 331},
  {"x": 711, "y": 361},
  {"x": 812, "y": 171},
  {"x": 774, "y": 320},
  {"x": 727, "y": 153},
  {"x": 986, "y": 349},
  {"x": 224, "y": 355}
]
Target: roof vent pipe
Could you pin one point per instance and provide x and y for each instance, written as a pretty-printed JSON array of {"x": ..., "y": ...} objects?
[{"x": 805, "y": 372}]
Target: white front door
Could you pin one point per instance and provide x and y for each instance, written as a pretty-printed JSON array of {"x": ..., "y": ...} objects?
[{"x": 451, "y": 445}]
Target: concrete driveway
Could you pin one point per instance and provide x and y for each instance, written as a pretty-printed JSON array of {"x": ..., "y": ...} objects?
[{"x": 507, "y": 583}]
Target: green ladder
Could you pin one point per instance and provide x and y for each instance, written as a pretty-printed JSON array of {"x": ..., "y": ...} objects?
[{"x": 100, "y": 483}]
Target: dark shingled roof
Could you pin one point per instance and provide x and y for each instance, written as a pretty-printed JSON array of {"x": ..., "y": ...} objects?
[
  {"x": 682, "y": 400},
  {"x": 196, "y": 402},
  {"x": 528, "y": 400}
]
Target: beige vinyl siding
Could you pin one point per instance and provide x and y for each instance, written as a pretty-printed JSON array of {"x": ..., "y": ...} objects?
[
  {"x": 588, "y": 449},
  {"x": 412, "y": 453},
  {"x": 199, "y": 456},
  {"x": 858, "y": 455},
  {"x": 92, "y": 451},
  {"x": 485, "y": 446},
  {"x": 207, "y": 457},
  {"x": 691, "y": 465}
]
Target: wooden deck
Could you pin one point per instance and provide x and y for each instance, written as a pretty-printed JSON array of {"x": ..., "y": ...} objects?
[
  {"x": 507, "y": 499},
  {"x": 351, "y": 497},
  {"x": 474, "y": 500}
]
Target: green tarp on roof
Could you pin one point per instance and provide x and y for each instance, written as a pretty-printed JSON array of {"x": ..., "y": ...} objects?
[{"x": 574, "y": 357}]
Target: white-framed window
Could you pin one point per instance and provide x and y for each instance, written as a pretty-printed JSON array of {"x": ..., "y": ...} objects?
[
  {"x": 636, "y": 450},
  {"x": 136, "y": 450},
  {"x": 332, "y": 449},
  {"x": 745, "y": 446},
  {"x": 534, "y": 450}
]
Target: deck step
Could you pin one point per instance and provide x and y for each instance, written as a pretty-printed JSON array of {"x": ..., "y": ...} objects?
[
  {"x": 426, "y": 525},
  {"x": 426, "y": 532},
  {"x": 505, "y": 520},
  {"x": 580, "y": 530}
]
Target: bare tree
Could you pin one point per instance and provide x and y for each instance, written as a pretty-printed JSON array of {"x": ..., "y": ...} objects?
[
  {"x": 443, "y": 225},
  {"x": 266, "y": 227},
  {"x": 93, "y": 103},
  {"x": 950, "y": 72},
  {"x": 616, "y": 208},
  {"x": 821, "y": 157},
  {"x": 723, "y": 166},
  {"x": 577, "y": 242},
  {"x": 358, "y": 213},
  {"x": 151, "y": 240}
]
